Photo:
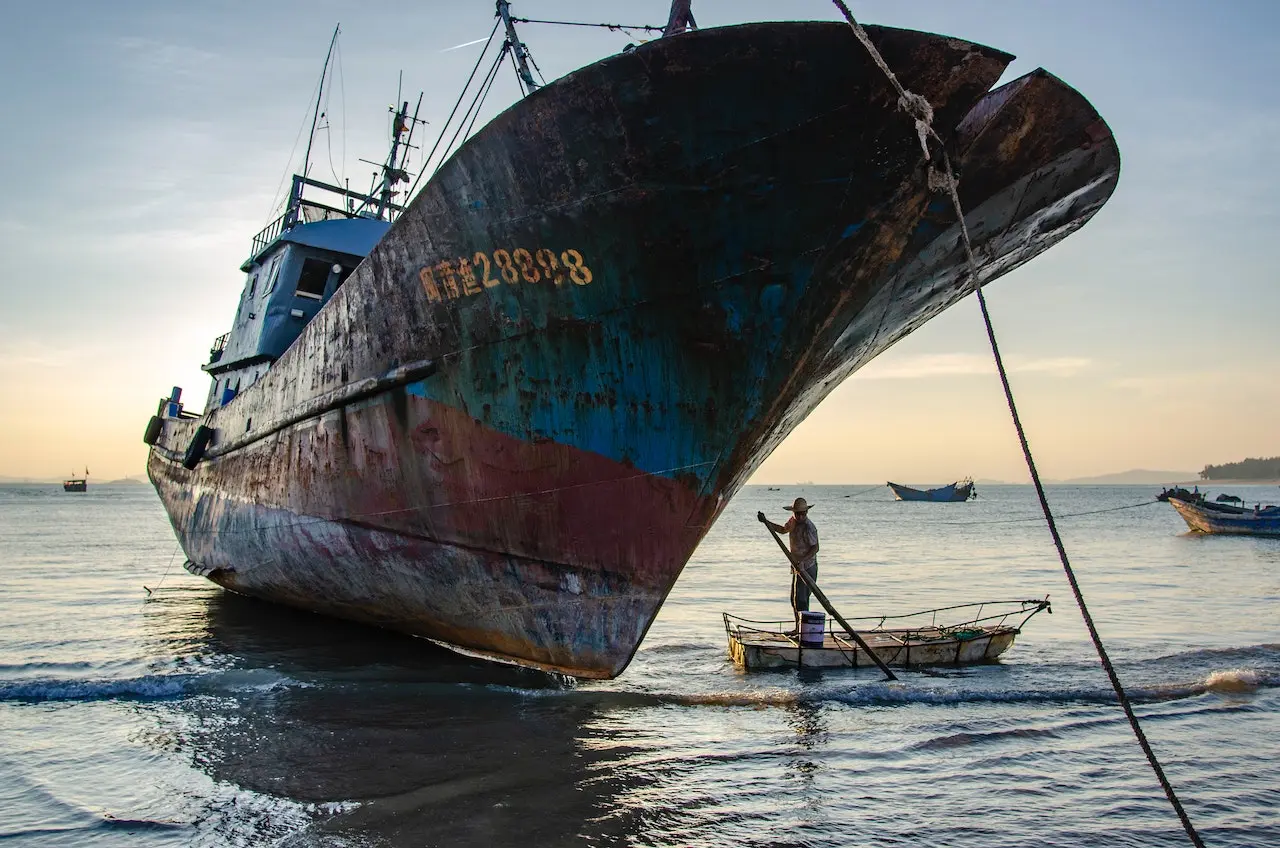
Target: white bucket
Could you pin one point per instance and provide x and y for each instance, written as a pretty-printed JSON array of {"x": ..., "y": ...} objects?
[{"x": 813, "y": 626}]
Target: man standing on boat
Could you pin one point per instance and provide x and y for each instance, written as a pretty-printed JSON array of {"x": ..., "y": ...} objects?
[{"x": 804, "y": 551}]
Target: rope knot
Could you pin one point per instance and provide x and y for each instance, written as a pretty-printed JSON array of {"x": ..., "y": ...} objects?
[
  {"x": 920, "y": 109},
  {"x": 941, "y": 179}
]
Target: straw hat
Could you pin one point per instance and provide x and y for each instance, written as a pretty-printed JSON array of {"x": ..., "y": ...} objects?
[{"x": 800, "y": 506}]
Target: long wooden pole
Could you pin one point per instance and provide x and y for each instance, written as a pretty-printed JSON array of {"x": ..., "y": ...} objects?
[{"x": 826, "y": 604}]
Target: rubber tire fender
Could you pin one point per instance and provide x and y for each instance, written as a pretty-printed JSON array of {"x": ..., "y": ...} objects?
[
  {"x": 195, "y": 450},
  {"x": 154, "y": 428}
]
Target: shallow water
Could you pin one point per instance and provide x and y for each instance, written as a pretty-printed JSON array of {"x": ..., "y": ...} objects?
[{"x": 194, "y": 717}]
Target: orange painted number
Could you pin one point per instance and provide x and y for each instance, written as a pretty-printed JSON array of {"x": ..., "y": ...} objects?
[
  {"x": 550, "y": 266},
  {"x": 483, "y": 259},
  {"x": 528, "y": 270},
  {"x": 503, "y": 260},
  {"x": 578, "y": 271}
]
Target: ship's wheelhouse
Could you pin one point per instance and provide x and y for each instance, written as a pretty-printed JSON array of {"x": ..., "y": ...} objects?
[{"x": 287, "y": 281}]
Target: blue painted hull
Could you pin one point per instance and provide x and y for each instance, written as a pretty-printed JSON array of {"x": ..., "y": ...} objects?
[
  {"x": 944, "y": 494},
  {"x": 1220, "y": 518}
]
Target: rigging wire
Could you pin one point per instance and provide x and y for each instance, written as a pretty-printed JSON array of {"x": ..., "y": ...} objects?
[
  {"x": 473, "y": 110},
  {"x": 480, "y": 104},
  {"x": 534, "y": 62},
  {"x": 342, "y": 92},
  {"x": 615, "y": 27},
  {"x": 288, "y": 165},
  {"x": 524, "y": 92},
  {"x": 919, "y": 108},
  {"x": 444, "y": 128}
]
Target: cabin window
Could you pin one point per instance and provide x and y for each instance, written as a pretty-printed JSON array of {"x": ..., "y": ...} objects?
[
  {"x": 312, "y": 280},
  {"x": 273, "y": 274},
  {"x": 253, "y": 286}
]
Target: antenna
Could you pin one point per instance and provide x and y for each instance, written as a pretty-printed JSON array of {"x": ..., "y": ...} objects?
[{"x": 306, "y": 162}]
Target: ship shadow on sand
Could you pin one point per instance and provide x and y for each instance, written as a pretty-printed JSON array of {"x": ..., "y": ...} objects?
[{"x": 395, "y": 740}]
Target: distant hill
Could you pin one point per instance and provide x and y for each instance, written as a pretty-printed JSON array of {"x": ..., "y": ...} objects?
[
  {"x": 1135, "y": 477},
  {"x": 125, "y": 481}
]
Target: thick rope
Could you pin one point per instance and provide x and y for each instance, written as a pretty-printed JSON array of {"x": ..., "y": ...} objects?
[{"x": 909, "y": 104}]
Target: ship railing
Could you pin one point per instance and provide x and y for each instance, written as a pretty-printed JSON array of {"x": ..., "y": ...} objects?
[
  {"x": 219, "y": 345},
  {"x": 268, "y": 234},
  {"x": 306, "y": 210}
]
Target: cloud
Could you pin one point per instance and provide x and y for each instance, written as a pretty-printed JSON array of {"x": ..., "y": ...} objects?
[
  {"x": 148, "y": 56},
  {"x": 969, "y": 364}
]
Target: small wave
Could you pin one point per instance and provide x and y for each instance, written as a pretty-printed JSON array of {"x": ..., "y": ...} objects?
[
  {"x": 1235, "y": 680},
  {"x": 136, "y": 688},
  {"x": 909, "y": 692},
  {"x": 147, "y": 688},
  {"x": 1254, "y": 653},
  {"x": 962, "y": 740},
  {"x": 674, "y": 648},
  {"x": 109, "y": 821}
]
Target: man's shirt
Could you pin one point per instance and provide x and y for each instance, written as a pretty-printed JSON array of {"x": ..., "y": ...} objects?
[{"x": 804, "y": 541}]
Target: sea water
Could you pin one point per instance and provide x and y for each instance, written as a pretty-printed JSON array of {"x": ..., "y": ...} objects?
[{"x": 179, "y": 714}]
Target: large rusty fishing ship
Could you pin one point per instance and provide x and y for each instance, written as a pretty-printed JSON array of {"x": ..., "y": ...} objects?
[{"x": 502, "y": 411}]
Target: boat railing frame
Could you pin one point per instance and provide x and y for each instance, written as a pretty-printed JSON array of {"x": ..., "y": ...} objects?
[{"x": 1025, "y": 609}]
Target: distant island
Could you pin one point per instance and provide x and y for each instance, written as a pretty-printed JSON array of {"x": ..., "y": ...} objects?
[
  {"x": 1245, "y": 469},
  {"x": 1135, "y": 477}
]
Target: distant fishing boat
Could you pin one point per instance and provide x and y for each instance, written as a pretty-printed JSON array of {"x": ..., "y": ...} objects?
[
  {"x": 978, "y": 632},
  {"x": 1206, "y": 517},
  {"x": 961, "y": 490},
  {"x": 76, "y": 484}
]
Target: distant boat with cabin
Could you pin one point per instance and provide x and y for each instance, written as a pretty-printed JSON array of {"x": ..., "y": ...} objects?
[
  {"x": 961, "y": 490},
  {"x": 1208, "y": 517},
  {"x": 76, "y": 484}
]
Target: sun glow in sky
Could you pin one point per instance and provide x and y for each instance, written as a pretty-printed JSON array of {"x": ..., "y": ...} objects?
[{"x": 146, "y": 142}]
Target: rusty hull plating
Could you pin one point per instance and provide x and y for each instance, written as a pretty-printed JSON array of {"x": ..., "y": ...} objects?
[{"x": 512, "y": 425}]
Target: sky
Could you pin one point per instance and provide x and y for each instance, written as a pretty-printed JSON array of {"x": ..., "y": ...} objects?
[{"x": 145, "y": 143}]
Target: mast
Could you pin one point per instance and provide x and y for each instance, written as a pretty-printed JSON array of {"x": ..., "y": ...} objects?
[
  {"x": 680, "y": 19},
  {"x": 315, "y": 116},
  {"x": 393, "y": 171},
  {"x": 517, "y": 48}
]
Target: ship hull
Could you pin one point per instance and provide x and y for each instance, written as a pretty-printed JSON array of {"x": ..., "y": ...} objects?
[
  {"x": 511, "y": 427},
  {"x": 945, "y": 494},
  {"x": 1230, "y": 520}
]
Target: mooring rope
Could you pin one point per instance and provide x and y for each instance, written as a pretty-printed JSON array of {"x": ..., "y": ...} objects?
[
  {"x": 1060, "y": 516},
  {"x": 918, "y": 108},
  {"x": 864, "y": 491}
]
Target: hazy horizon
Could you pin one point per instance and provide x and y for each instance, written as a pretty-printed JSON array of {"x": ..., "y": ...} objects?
[{"x": 151, "y": 141}]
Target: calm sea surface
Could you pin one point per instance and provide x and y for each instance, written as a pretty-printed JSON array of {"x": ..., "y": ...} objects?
[{"x": 195, "y": 717}]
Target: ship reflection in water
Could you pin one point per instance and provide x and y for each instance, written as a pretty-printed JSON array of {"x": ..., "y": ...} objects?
[
  {"x": 367, "y": 737},
  {"x": 393, "y": 739}
]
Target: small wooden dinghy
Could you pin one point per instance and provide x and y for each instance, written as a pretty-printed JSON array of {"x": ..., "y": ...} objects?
[{"x": 979, "y": 633}]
